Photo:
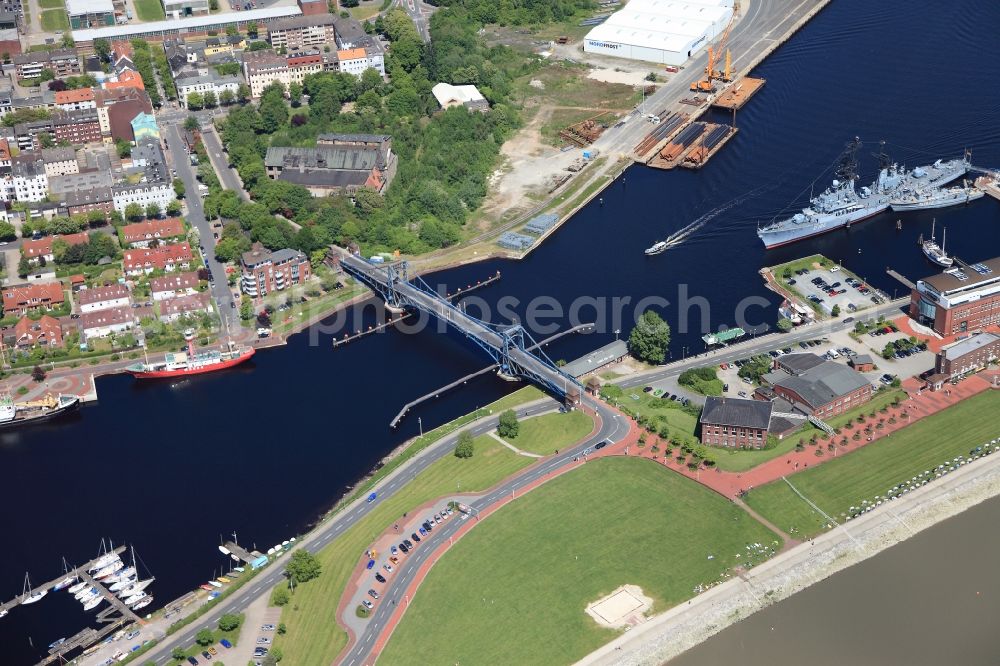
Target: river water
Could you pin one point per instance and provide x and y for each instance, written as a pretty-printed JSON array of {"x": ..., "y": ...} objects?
[
  {"x": 263, "y": 450},
  {"x": 931, "y": 600}
]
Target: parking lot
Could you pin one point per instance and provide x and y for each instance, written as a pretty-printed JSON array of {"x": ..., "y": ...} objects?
[{"x": 827, "y": 287}]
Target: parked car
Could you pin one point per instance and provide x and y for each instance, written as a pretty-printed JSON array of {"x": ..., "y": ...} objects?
[
  {"x": 600, "y": 445},
  {"x": 225, "y": 643},
  {"x": 379, "y": 577},
  {"x": 205, "y": 654},
  {"x": 373, "y": 594},
  {"x": 415, "y": 537},
  {"x": 388, "y": 567},
  {"x": 192, "y": 661}
]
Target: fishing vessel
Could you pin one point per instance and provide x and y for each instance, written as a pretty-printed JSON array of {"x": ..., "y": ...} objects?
[
  {"x": 936, "y": 198},
  {"x": 47, "y": 407},
  {"x": 935, "y": 253},
  {"x": 192, "y": 362},
  {"x": 656, "y": 248},
  {"x": 843, "y": 204}
]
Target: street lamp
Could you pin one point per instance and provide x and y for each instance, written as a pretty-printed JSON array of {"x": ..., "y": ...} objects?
[{"x": 420, "y": 422}]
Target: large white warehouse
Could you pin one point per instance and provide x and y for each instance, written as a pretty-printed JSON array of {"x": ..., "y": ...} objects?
[{"x": 667, "y": 32}]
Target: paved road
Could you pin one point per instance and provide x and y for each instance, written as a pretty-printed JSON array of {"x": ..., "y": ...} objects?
[
  {"x": 196, "y": 216},
  {"x": 760, "y": 345},
  {"x": 420, "y": 15},
  {"x": 615, "y": 427}
]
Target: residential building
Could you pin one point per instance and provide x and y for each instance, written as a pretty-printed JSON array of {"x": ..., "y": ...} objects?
[
  {"x": 102, "y": 323},
  {"x": 74, "y": 100},
  {"x": 174, "y": 285},
  {"x": 264, "y": 271},
  {"x": 44, "y": 332},
  {"x": 24, "y": 298},
  {"x": 86, "y": 181},
  {"x": 314, "y": 7},
  {"x": 33, "y": 250},
  {"x": 448, "y": 96},
  {"x": 822, "y": 390},
  {"x": 262, "y": 68},
  {"x": 969, "y": 355},
  {"x": 102, "y": 298},
  {"x": 355, "y": 61},
  {"x": 155, "y": 185},
  {"x": 31, "y": 183},
  {"x": 176, "y": 256},
  {"x": 338, "y": 163},
  {"x": 351, "y": 34},
  {"x": 60, "y": 161},
  {"x": 85, "y": 201},
  {"x": 121, "y": 49},
  {"x": 959, "y": 299},
  {"x": 10, "y": 40},
  {"x": 735, "y": 422},
  {"x": 183, "y": 8},
  {"x": 26, "y": 134},
  {"x": 195, "y": 82},
  {"x": 61, "y": 62},
  {"x": 141, "y": 234},
  {"x": 173, "y": 309},
  {"x": 127, "y": 78},
  {"x": 76, "y": 127},
  {"x": 90, "y": 13},
  {"x": 5, "y": 158},
  {"x": 117, "y": 108},
  {"x": 297, "y": 32}
]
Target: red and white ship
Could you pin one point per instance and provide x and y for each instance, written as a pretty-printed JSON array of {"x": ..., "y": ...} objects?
[{"x": 192, "y": 362}]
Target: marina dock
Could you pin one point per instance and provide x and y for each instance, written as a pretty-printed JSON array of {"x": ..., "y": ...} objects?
[
  {"x": 902, "y": 279},
  {"x": 990, "y": 184},
  {"x": 738, "y": 93}
]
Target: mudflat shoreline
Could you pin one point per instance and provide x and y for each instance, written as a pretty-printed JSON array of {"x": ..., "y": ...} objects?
[{"x": 671, "y": 633}]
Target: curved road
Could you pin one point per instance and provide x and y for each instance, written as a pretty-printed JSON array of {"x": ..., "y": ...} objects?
[{"x": 613, "y": 426}]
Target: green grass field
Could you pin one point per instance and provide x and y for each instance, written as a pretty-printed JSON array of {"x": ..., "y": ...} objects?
[
  {"x": 680, "y": 423},
  {"x": 549, "y": 432},
  {"x": 514, "y": 590},
  {"x": 149, "y": 10},
  {"x": 845, "y": 481},
  {"x": 54, "y": 19},
  {"x": 313, "y": 636},
  {"x": 741, "y": 461},
  {"x": 51, "y": 4}
]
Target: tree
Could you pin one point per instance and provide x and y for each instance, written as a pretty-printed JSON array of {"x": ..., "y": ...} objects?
[
  {"x": 134, "y": 212},
  {"x": 273, "y": 110},
  {"x": 102, "y": 48},
  {"x": 7, "y": 231},
  {"x": 45, "y": 140},
  {"x": 23, "y": 267},
  {"x": 192, "y": 123},
  {"x": 227, "y": 97},
  {"x": 179, "y": 189},
  {"x": 38, "y": 374},
  {"x": 835, "y": 311},
  {"x": 464, "y": 447},
  {"x": 230, "y": 621},
  {"x": 210, "y": 99},
  {"x": 179, "y": 654},
  {"x": 302, "y": 567},
  {"x": 195, "y": 100},
  {"x": 246, "y": 305},
  {"x": 123, "y": 148},
  {"x": 650, "y": 338},
  {"x": 213, "y": 5},
  {"x": 280, "y": 596},
  {"x": 153, "y": 210},
  {"x": 785, "y": 325},
  {"x": 295, "y": 93},
  {"x": 508, "y": 426},
  {"x": 174, "y": 208},
  {"x": 204, "y": 637},
  {"x": 243, "y": 90}
]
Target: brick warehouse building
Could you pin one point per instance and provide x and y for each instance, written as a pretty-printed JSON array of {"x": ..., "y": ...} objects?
[
  {"x": 967, "y": 355},
  {"x": 735, "y": 422},
  {"x": 959, "y": 300},
  {"x": 822, "y": 389}
]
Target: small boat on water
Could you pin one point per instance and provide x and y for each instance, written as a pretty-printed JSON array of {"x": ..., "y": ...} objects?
[
  {"x": 143, "y": 603},
  {"x": 13, "y": 414},
  {"x": 223, "y": 579},
  {"x": 934, "y": 252},
  {"x": 103, "y": 561},
  {"x": 87, "y": 595},
  {"x": 109, "y": 570},
  {"x": 29, "y": 597},
  {"x": 93, "y": 603},
  {"x": 135, "y": 588},
  {"x": 55, "y": 644},
  {"x": 240, "y": 569},
  {"x": 79, "y": 586},
  {"x": 3, "y": 612},
  {"x": 123, "y": 584},
  {"x": 224, "y": 550},
  {"x": 656, "y": 248},
  {"x": 206, "y": 586},
  {"x": 215, "y": 583},
  {"x": 65, "y": 582},
  {"x": 135, "y": 598}
]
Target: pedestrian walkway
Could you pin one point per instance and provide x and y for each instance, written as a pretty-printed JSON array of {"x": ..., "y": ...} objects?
[
  {"x": 514, "y": 448},
  {"x": 919, "y": 404}
]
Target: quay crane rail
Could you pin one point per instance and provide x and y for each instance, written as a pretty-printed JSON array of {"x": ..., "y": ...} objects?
[{"x": 508, "y": 346}]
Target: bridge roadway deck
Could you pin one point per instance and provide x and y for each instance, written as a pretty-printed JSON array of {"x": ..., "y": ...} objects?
[{"x": 461, "y": 321}]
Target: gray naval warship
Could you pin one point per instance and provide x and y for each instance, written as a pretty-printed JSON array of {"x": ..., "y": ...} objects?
[{"x": 843, "y": 203}]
